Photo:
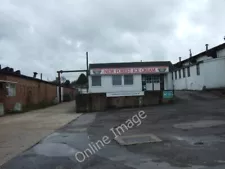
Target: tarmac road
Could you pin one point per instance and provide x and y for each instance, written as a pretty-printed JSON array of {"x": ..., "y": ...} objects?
[{"x": 192, "y": 134}]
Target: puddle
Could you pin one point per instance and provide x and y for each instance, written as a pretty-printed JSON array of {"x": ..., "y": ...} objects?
[
  {"x": 199, "y": 124},
  {"x": 54, "y": 150},
  {"x": 200, "y": 140}
]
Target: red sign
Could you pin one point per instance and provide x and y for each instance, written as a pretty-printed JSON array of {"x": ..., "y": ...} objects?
[{"x": 142, "y": 70}]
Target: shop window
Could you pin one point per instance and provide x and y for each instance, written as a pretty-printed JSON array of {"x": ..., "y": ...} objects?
[
  {"x": 184, "y": 73},
  {"x": 96, "y": 80},
  {"x": 128, "y": 80},
  {"x": 152, "y": 79},
  {"x": 179, "y": 74},
  {"x": 155, "y": 79},
  {"x": 11, "y": 89},
  {"x": 188, "y": 71},
  {"x": 175, "y": 74},
  {"x": 198, "y": 69},
  {"x": 116, "y": 80}
]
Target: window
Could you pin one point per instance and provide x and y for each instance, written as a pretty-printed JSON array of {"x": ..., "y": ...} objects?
[
  {"x": 128, "y": 79},
  {"x": 96, "y": 80},
  {"x": 179, "y": 74},
  {"x": 152, "y": 79},
  {"x": 155, "y": 79},
  {"x": 172, "y": 75},
  {"x": 198, "y": 69},
  {"x": 11, "y": 89},
  {"x": 175, "y": 74},
  {"x": 188, "y": 71},
  {"x": 184, "y": 74},
  {"x": 116, "y": 80}
]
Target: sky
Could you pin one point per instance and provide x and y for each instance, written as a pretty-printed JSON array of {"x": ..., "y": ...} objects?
[{"x": 45, "y": 36}]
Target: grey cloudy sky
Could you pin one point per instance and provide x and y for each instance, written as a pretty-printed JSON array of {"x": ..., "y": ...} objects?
[{"x": 49, "y": 35}]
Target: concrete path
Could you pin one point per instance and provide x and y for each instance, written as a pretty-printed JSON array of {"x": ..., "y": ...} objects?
[{"x": 20, "y": 131}]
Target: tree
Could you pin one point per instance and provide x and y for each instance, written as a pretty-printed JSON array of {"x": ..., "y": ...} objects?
[
  {"x": 67, "y": 83},
  {"x": 82, "y": 80},
  {"x": 56, "y": 81},
  {"x": 73, "y": 83}
]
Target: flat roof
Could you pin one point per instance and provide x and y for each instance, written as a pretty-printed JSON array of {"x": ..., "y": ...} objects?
[{"x": 131, "y": 64}]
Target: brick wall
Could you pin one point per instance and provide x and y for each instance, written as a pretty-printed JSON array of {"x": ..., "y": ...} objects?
[{"x": 31, "y": 92}]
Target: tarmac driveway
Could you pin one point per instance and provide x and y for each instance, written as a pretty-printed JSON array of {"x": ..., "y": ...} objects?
[
  {"x": 189, "y": 134},
  {"x": 20, "y": 131}
]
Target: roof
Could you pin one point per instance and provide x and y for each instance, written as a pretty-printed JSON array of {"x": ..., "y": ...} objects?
[
  {"x": 6, "y": 81},
  {"x": 216, "y": 48},
  {"x": 23, "y": 76},
  {"x": 131, "y": 64}
]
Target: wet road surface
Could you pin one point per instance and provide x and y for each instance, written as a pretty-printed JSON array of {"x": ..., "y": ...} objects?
[{"x": 192, "y": 134}]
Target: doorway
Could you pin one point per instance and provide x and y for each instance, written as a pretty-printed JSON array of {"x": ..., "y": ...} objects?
[{"x": 151, "y": 82}]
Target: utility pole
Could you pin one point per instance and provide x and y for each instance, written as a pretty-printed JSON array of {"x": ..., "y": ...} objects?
[
  {"x": 87, "y": 72},
  {"x": 59, "y": 82}
]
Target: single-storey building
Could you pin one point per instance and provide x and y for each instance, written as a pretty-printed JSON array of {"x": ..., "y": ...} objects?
[
  {"x": 18, "y": 91},
  {"x": 126, "y": 85},
  {"x": 205, "y": 70},
  {"x": 130, "y": 78}
]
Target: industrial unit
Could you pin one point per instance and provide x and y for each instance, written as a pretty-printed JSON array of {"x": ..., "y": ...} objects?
[
  {"x": 130, "y": 78},
  {"x": 205, "y": 70}
]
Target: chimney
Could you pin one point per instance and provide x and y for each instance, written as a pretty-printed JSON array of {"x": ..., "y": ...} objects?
[
  {"x": 179, "y": 59},
  {"x": 35, "y": 74},
  {"x": 207, "y": 47},
  {"x": 41, "y": 76},
  {"x": 190, "y": 53}
]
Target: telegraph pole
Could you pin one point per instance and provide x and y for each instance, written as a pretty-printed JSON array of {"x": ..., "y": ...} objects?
[{"x": 59, "y": 82}]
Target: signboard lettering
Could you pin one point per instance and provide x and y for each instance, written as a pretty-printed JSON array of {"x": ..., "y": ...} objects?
[{"x": 141, "y": 70}]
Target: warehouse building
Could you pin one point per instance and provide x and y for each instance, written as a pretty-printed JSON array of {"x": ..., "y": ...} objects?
[{"x": 205, "y": 70}]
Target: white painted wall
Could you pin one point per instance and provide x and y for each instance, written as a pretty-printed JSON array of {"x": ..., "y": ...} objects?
[
  {"x": 136, "y": 87},
  {"x": 108, "y": 87},
  {"x": 168, "y": 82},
  {"x": 194, "y": 82},
  {"x": 212, "y": 75}
]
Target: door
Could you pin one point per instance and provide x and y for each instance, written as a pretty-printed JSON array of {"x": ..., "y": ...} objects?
[{"x": 152, "y": 82}]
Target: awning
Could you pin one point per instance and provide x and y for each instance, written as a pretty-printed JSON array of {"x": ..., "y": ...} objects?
[{"x": 6, "y": 81}]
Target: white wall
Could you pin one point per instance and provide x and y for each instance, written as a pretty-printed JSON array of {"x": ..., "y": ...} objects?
[
  {"x": 212, "y": 75},
  {"x": 137, "y": 85},
  {"x": 108, "y": 87},
  {"x": 168, "y": 82},
  {"x": 194, "y": 82}
]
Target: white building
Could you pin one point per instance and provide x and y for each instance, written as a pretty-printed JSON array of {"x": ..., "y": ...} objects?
[
  {"x": 205, "y": 70},
  {"x": 130, "y": 78}
]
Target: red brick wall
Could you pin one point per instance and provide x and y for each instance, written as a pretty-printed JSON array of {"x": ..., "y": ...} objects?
[{"x": 29, "y": 92}]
